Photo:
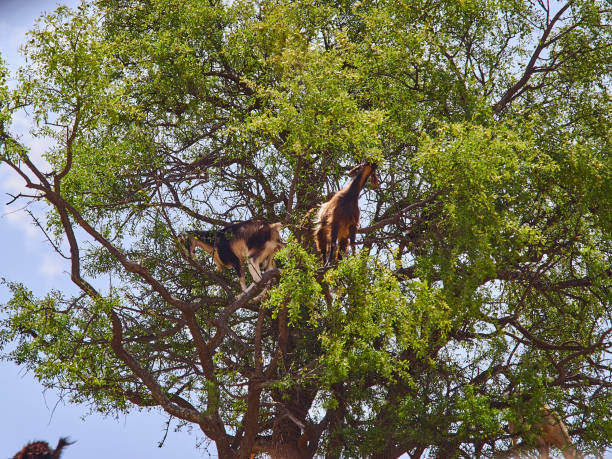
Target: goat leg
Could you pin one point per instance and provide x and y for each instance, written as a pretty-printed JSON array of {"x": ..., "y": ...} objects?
[
  {"x": 343, "y": 248},
  {"x": 239, "y": 272},
  {"x": 353, "y": 237},
  {"x": 333, "y": 245},
  {"x": 254, "y": 269}
]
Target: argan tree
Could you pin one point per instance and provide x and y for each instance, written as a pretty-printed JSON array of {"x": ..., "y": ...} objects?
[{"x": 481, "y": 287}]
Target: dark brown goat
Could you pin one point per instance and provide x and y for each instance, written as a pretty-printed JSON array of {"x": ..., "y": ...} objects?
[
  {"x": 41, "y": 450},
  {"x": 338, "y": 218},
  {"x": 254, "y": 241}
]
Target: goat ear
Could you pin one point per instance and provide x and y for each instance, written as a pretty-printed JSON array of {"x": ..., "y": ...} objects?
[{"x": 277, "y": 226}]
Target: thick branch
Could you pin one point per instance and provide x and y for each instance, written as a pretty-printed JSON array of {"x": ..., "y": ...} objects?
[
  {"x": 241, "y": 300},
  {"x": 205, "y": 355}
]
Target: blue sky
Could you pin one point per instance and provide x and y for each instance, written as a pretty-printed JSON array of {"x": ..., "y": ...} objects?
[{"x": 28, "y": 411}]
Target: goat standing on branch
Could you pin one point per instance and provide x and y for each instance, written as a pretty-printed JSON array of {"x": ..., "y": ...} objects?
[
  {"x": 551, "y": 432},
  {"x": 252, "y": 241},
  {"x": 41, "y": 450},
  {"x": 338, "y": 218}
]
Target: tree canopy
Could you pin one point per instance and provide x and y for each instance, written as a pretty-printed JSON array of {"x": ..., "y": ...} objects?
[{"x": 480, "y": 289}]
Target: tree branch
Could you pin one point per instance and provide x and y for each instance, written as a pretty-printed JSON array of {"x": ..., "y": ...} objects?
[{"x": 511, "y": 93}]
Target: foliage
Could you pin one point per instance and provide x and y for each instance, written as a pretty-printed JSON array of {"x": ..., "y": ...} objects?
[{"x": 480, "y": 287}]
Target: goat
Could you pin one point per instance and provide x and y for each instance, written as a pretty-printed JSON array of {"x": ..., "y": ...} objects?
[
  {"x": 551, "y": 432},
  {"x": 254, "y": 241},
  {"x": 338, "y": 218},
  {"x": 41, "y": 450}
]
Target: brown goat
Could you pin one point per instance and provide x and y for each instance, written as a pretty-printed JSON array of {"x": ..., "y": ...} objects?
[
  {"x": 252, "y": 241},
  {"x": 41, "y": 450},
  {"x": 338, "y": 218},
  {"x": 551, "y": 432}
]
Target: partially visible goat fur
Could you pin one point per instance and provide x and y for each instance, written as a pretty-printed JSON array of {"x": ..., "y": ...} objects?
[
  {"x": 41, "y": 450},
  {"x": 252, "y": 241},
  {"x": 338, "y": 218},
  {"x": 551, "y": 432}
]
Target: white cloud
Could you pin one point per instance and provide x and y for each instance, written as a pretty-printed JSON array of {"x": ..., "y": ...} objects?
[
  {"x": 19, "y": 219},
  {"x": 12, "y": 37},
  {"x": 52, "y": 266},
  {"x": 12, "y": 183},
  {"x": 16, "y": 18},
  {"x": 21, "y": 125},
  {"x": 49, "y": 264}
]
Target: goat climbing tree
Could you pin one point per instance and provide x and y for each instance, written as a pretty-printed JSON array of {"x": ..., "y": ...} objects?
[{"x": 481, "y": 286}]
